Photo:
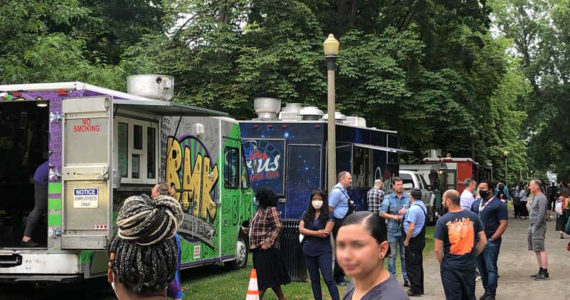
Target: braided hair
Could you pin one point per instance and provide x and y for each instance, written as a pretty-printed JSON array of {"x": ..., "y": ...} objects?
[{"x": 143, "y": 252}]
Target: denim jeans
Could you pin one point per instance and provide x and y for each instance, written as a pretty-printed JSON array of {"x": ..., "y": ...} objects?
[
  {"x": 395, "y": 242},
  {"x": 487, "y": 265},
  {"x": 324, "y": 263}
]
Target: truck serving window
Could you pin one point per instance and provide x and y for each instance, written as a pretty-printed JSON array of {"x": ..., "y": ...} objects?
[
  {"x": 136, "y": 150},
  {"x": 231, "y": 168}
]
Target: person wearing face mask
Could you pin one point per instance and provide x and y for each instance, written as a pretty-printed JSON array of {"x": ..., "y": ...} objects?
[
  {"x": 316, "y": 225},
  {"x": 494, "y": 216},
  {"x": 361, "y": 247}
]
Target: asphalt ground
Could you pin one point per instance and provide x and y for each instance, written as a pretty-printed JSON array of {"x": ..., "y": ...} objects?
[{"x": 516, "y": 264}]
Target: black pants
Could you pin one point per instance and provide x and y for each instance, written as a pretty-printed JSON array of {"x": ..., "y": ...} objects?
[
  {"x": 458, "y": 284},
  {"x": 517, "y": 209},
  {"x": 40, "y": 208},
  {"x": 338, "y": 273},
  {"x": 414, "y": 263}
]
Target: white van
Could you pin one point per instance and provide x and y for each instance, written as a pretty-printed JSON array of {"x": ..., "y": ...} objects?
[{"x": 413, "y": 179}]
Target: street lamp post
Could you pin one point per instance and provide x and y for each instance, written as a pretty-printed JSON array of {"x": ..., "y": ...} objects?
[
  {"x": 506, "y": 153},
  {"x": 331, "y": 46}
]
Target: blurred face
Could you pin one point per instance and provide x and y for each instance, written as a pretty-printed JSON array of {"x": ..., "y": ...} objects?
[
  {"x": 358, "y": 253},
  {"x": 472, "y": 186},
  {"x": 346, "y": 181},
  {"x": 533, "y": 187},
  {"x": 398, "y": 187}
]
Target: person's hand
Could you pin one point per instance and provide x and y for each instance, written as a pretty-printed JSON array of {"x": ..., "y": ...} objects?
[
  {"x": 402, "y": 211},
  {"x": 406, "y": 243},
  {"x": 322, "y": 233},
  {"x": 264, "y": 246}
]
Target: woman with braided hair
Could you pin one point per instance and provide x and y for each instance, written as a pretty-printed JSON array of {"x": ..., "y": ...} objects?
[{"x": 143, "y": 253}]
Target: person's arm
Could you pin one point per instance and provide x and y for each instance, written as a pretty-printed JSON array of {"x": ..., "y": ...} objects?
[
  {"x": 329, "y": 227},
  {"x": 308, "y": 232},
  {"x": 333, "y": 200},
  {"x": 542, "y": 210},
  {"x": 502, "y": 215},
  {"x": 384, "y": 210},
  {"x": 409, "y": 234},
  {"x": 438, "y": 250},
  {"x": 503, "y": 224},
  {"x": 482, "y": 242}
]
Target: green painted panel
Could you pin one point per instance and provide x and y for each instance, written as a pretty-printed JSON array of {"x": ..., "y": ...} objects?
[
  {"x": 54, "y": 188},
  {"x": 54, "y": 203},
  {"x": 85, "y": 257},
  {"x": 54, "y": 220}
]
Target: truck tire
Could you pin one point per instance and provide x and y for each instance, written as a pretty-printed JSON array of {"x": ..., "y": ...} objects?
[{"x": 242, "y": 253}]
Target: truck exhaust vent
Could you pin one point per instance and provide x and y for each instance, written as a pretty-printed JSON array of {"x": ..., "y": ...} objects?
[
  {"x": 266, "y": 108},
  {"x": 355, "y": 121},
  {"x": 311, "y": 113},
  {"x": 160, "y": 87},
  {"x": 339, "y": 117},
  {"x": 291, "y": 112}
]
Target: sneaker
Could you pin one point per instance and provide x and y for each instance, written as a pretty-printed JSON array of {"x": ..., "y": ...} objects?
[
  {"x": 406, "y": 283},
  {"x": 29, "y": 244},
  {"x": 542, "y": 276},
  {"x": 412, "y": 294},
  {"x": 561, "y": 236}
]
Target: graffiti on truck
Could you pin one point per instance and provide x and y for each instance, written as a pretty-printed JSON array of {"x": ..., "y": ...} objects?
[{"x": 191, "y": 170}]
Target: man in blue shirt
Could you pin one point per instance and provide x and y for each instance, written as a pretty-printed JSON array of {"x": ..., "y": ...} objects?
[
  {"x": 338, "y": 205},
  {"x": 392, "y": 210},
  {"x": 494, "y": 215},
  {"x": 415, "y": 241}
]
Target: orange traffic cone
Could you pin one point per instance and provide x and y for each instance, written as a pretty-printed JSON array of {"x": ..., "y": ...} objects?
[{"x": 252, "y": 291}]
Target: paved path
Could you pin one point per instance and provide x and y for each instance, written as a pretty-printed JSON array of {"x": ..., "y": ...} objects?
[{"x": 516, "y": 264}]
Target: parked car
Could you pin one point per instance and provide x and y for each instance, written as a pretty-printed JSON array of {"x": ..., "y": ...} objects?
[{"x": 413, "y": 179}]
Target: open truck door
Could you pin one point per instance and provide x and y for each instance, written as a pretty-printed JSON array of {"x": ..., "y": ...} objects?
[{"x": 87, "y": 173}]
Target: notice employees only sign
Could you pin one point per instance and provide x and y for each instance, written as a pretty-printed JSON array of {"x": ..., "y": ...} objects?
[{"x": 85, "y": 198}]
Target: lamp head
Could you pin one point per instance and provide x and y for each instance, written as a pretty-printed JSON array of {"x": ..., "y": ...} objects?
[{"x": 331, "y": 46}]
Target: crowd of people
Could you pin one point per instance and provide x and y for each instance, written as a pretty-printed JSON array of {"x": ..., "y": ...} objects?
[{"x": 145, "y": 262}]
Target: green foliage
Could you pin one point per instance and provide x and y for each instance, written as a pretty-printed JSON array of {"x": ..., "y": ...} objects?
[
  {"x": 539, "y": 30},
  {"x": 429, "y": 69}
]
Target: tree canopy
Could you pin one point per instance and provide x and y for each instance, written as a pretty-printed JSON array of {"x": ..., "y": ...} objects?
[{"x": 474, "y": 78}]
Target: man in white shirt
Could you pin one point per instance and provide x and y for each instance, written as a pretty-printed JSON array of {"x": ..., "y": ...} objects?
[{"x": 467, "y": 195}]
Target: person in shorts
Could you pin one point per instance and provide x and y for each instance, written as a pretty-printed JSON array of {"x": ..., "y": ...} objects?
[{"x": 537, "y": 229}]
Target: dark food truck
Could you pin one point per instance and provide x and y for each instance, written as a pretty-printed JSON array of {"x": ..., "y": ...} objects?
[{"x": 288, "y": 153}]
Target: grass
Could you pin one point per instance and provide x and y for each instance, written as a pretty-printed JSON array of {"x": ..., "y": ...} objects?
[{"x": 214, "y": 282}]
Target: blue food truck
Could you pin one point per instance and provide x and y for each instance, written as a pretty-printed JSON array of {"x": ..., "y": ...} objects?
[{"x": 287, "y": 152}]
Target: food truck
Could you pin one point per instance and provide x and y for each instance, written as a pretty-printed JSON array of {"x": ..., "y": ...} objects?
[
  {"x": 104, "y": 146},
  {"x": 286, "y": 150},
  {"x": 444, "y": 173}
]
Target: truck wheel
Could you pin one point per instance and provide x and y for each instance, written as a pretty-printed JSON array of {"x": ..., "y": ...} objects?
[{"x": 242, "y": 252}]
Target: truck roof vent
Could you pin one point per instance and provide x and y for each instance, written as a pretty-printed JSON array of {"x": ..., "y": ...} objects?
[
  {"x": 339, "y": 117},
  {"x": 355, "y": 121},
  {"x": 291, "y": 112},
  {"x": 266, "y": 108},
  {"x": 434, "y": 153},
  {"x": 152, "y": 86},
  {"x": 311, "y": 113}
]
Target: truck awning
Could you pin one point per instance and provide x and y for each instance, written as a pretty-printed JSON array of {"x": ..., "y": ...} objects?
[
  {"x": 166, "y": 108},
  {"x": 380, "y": 148}
]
